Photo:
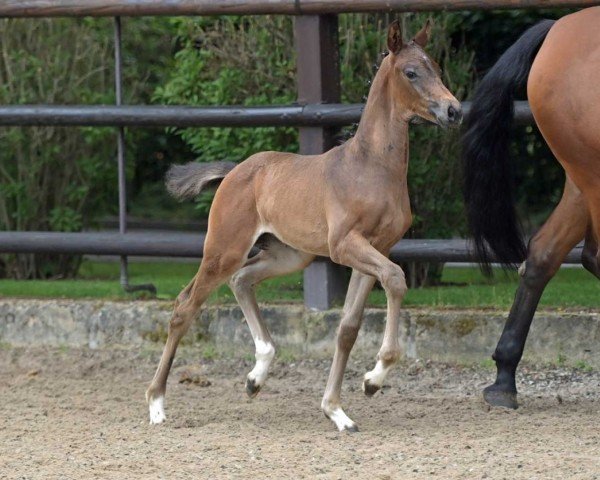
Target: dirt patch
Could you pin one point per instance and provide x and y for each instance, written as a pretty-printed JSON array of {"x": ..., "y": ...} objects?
[{"x": 82, "y": 415}]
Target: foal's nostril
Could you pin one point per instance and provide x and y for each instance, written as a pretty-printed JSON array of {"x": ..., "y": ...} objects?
[{"x": 454, "y": 114}]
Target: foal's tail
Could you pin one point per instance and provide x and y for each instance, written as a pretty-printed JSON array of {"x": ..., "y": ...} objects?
[
  {"x": 187, "y": 181},
  {"x": 488, "y": 176}
]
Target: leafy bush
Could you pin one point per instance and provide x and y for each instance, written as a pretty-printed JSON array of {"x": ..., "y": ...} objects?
[
  {"x": 51, "y": 178},
  {"x": 232, "y": 61},
  {"x": 62, "y": 179}
]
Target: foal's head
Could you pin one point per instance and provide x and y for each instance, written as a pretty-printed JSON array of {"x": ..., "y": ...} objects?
[{"x": 415, "y": 80}]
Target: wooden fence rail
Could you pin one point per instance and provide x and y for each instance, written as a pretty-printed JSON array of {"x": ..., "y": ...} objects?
[
  {"x": 180, "y": 244},
  {"x": 335, "y": 114},
  {"x": 110, "y": 8}
]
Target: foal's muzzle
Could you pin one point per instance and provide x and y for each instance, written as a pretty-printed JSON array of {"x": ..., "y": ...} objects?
[{"x": 448, "y": 113}]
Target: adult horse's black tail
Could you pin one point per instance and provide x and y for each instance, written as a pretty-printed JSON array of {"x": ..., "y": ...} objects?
[{"x": 488, "y": 176}]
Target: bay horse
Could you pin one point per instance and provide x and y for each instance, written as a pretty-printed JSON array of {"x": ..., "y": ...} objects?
[
  {"x": 559, "y": 63},
  {"x": 350, "y": 204}
]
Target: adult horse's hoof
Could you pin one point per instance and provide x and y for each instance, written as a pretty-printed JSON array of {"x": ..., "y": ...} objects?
[
  {"x": 370, "y": 388},
  {"x": 351, "y": 428},
  {"x": 499, "y": 398},
  {"x": 252, "y": 388}
]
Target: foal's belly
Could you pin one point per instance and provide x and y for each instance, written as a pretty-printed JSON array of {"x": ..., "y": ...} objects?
[
  {"x": 296, "y": 217},
  {"x": 291, "y": 207},
  {"x": 309, "y": 240}
]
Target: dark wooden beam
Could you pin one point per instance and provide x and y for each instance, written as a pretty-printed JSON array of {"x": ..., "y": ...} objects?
[
  {"x": 180, "y": 116},
  {"x": 103, "y": 8},
  {"x": 318, "y": 74},
  {"x": 317, "y": 115},
  {"x": 181, "y": 244}
]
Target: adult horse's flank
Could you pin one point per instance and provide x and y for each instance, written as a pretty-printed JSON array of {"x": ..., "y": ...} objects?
[
  {"x": 350, "y": 204},
  {"x": 562, "y": 87}
]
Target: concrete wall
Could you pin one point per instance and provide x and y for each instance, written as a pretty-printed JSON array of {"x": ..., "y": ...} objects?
[{"x": 446, "y": 335}]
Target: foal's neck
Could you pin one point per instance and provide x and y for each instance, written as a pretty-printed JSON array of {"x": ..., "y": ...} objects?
[{"x": 382, "y": 134}]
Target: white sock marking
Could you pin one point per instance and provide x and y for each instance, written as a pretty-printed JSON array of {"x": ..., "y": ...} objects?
[
  {"x": 157, "y": 410},
  {"x": 341, "y": 420},
  {"x": 337, "y": 416},
  {"x": 377, "y": 375},
  {"x": 265, "y": 352}
]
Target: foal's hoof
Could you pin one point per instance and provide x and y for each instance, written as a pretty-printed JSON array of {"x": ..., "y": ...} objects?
[
  {"x": 252, "y": 388},
  {"x": 157, "y": 411},
  {"x": 341, "y": 420},
  {"x": 370, "y": 388},
  {"x": 500, "y": 398},
  {"x": 351, "y": 428}
]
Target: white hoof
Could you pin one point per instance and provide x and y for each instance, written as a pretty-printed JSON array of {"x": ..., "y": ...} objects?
[{"x": 157, "y": 411}]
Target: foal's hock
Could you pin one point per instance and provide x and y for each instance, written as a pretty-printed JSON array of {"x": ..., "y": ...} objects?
[{"x": 350, "y": 204}]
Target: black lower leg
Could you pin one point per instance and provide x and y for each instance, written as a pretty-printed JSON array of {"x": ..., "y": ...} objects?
[{"x": 508, "y": 353}]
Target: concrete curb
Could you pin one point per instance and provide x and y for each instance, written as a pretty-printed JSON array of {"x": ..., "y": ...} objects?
[{"x": 467, "y": 336}]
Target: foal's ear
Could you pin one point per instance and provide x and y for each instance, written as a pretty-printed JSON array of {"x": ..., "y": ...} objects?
[
  {"x": 394, "y": 39},
  {"x": 422, "y": 37}
]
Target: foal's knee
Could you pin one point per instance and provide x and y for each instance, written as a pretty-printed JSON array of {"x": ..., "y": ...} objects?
[{"x": 394, "y": 281}]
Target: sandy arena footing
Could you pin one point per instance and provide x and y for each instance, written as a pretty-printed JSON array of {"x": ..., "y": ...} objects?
[{"x": 78, "y": 413}]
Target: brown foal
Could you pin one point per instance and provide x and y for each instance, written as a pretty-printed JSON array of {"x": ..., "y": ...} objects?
[{"x": 350, "y": 204}]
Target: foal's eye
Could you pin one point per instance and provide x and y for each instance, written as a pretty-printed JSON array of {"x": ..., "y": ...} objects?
[{"x": 410, "y": 74}]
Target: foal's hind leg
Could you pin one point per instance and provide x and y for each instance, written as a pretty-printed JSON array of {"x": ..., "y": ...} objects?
[
  {"x": 225, "y": 251},
  {"x": 358, "y": 291},
  {"x": 547, "y": 249},
  {"x": 276, "y": 259}
]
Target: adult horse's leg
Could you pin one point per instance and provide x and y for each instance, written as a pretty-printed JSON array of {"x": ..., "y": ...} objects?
[
  {"x": 591, "y": 249},
  {"x": 589, "y": 255},
  {"x": 358, "y": 291},
  {"x": 276, "y": 259},
  {"x": 547, "y": 249},
  {"x": 356, "y": 251}
]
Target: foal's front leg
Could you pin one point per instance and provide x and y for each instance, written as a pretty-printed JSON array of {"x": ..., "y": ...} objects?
[
  {"x": 390, "y": 350},
  {"x": 355, "y": 251},
  {"x": 358, "y": 291}
]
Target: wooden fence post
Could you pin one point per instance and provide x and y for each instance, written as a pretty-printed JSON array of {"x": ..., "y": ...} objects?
[{"x": 318, "y": 73}]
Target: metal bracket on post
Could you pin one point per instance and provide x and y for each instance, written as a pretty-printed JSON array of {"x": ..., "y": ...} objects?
[
  {"x": 124, "y": 277},
  {"x": 318, "y": 68}
]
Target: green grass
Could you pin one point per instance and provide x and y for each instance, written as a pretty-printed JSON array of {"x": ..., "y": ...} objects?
[
  {"x": 101, "y": 280},
  {"x": 465, "y": 287},
  {"x": 569, "y": 288}
]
